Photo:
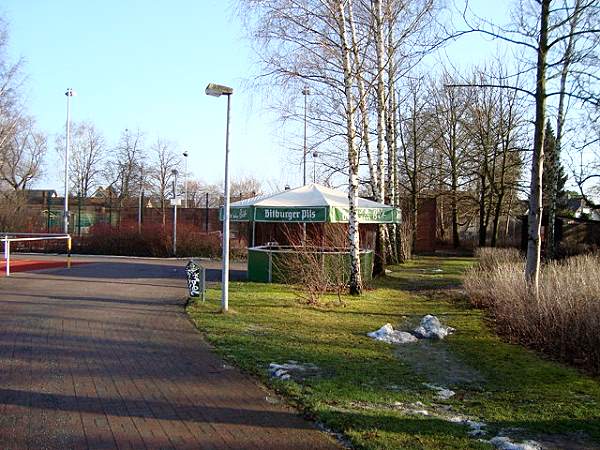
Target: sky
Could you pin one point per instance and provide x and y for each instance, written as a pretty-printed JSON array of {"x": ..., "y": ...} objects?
[{"x": 145, "y": 64}]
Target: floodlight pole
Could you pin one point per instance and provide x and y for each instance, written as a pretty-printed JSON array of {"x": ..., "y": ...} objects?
[
  {"x": 69, "y": 94},
  {"x": 305, "y": 92},
  {"x": 185, "y": 178},
  {"x": 216, "y": 90},
  {"x": 141, "y": 194}
]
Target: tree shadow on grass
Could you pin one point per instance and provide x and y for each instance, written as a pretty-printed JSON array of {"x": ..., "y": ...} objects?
[{"x": 418, "y": 431}]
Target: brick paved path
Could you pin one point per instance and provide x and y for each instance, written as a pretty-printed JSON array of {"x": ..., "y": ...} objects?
[{"x": 104, "y": 357}]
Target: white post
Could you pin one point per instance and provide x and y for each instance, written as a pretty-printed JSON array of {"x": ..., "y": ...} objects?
[
  {"x": 174, "y": 213},
  {"x": 225, "y": 269},
  {"x": 69, "y": 94},
  {"x": 7, "y": 255}
]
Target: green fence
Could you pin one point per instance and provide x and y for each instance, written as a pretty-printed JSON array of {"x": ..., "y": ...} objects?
[{"x": 275, "y": 264}]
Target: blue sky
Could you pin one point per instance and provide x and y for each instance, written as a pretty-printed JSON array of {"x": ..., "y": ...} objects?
[{"x": 145, "y": 64}]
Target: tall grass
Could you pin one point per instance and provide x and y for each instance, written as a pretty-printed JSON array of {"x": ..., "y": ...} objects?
[{"x": 563, "y": 321}]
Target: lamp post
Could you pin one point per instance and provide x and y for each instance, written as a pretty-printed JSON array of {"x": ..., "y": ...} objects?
[
  {"x": 174, "y": 172},
  {"x": 315, "y": 155},
  {"x": 70, "y": 93},
  {"x": 185, "y": 178},
  {"x": 141, "y": 195},
  {"x": 216, "y": 90},
  {"x": 305, "y": 92}
]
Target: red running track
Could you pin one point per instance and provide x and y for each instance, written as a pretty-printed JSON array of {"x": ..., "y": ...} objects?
[{"x": 23, "y": 265}]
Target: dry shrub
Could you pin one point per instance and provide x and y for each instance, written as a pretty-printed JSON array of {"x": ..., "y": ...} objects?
[
  {"x": 309, "y": 268},
  {"x": 491, "y": 258},
  {"x": 562, "y": 321},
  {"x": 154, "y": 240}
]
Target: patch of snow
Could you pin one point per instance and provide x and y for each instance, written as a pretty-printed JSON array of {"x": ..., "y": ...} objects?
[
  {"x": 442, "y": 392},
  {"x": 476, "y": 428},
  {"x": 504, "y": 443},
  {"x": 432, "y": 328},
  {"x": 284, "y": 371},
  {"x": 387, "y": 334}
]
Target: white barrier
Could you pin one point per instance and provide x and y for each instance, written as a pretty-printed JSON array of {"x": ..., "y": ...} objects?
[{"x": 7, "y": 238}]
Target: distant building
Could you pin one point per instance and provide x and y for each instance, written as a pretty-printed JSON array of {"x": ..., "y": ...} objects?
[
  {"x": 39, "y": 196},
  {"x": 581, "y": 209}
]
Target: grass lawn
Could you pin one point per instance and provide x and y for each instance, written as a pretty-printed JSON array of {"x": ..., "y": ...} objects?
[{"x": 369, "y": 390}]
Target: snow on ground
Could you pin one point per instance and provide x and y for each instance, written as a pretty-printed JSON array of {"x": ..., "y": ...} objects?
[
  {"x": 504, "y": 443},
  {"x": 432, "y": 328},
  {"x": 291, "y": 369},
  {"x": 429, "y": 328},
  {"x": 442, "y": 392},
  {"x": 387, "y": 334}
]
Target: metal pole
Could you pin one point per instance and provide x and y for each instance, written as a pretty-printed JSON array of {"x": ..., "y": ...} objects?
[
  {"x": 305, "y": 91},
  {"x": 79, "y": 213},
  {"x": 49, "y": 204},
  {"x": 140, "y": 199},
  {"x": 69, "y": 94},
  {"x": 175, "y": 214},
  {"x": 225, "y": 269},
  {"x": 206, "y": 214},
  {"x": 185, "y": 179}
]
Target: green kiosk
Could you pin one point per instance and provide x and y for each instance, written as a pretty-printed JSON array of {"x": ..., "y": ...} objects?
[{"x": 310, "y": 204}]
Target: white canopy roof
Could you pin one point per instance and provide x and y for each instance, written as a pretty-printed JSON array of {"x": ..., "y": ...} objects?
[
  {"x": 310, "y": 203},
  {"x": 307, "y": 196}
]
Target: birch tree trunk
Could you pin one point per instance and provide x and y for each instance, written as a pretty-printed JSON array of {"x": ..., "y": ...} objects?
[
  {"x": 532, "y": 266},
  {"x": 353, "y": 233},
  {"x": 380, "y": 248}
]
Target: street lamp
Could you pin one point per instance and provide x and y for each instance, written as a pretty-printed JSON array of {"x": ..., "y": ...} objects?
[
  {"x": 185, "y": 178},
  {"x": 216, "y": 90},
  {"x": 315, "y": 155},
  {"x": 305, "y": 92},
  {"x": 174, "y": 172},
  {"x": 70, "y": 93}
]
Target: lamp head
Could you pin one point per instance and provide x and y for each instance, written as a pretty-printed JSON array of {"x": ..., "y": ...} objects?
[
  {"x": 185, "y": 154},
  {"x": 216, "y": 90}
]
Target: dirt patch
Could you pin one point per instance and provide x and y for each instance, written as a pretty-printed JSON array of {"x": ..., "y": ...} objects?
[
  {"x": 433, "y": 361},
  {"x": 570, "y": 441}
]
